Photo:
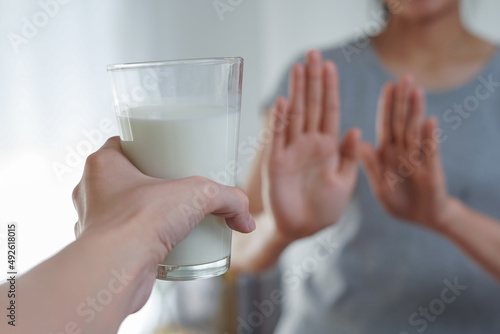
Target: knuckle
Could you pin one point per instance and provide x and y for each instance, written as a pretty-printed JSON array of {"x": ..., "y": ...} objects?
[
  {"x": 76, "y": 230},
  {"x": 200, "y": 181},
  {"x": 96, "y": 160},
  {"x": 243, "y": 200},
  {"x": 100, "y": 159},
  {"x": 75, "y": 195},
  {"x": 196, "y": 179}
]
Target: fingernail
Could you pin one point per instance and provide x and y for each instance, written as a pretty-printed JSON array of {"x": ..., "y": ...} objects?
[{"x": 251, "y": 223}]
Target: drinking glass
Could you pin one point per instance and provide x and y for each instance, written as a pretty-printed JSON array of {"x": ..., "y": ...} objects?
[{"x": 177, "y": 119}]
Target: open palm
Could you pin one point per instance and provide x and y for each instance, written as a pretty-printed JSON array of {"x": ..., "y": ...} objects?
[
  {"x": 311, "y": 175},
  {"x": 405, "y": 171}
]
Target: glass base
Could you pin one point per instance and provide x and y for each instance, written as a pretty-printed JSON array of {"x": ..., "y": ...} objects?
[{"x": 188, "y": 273}]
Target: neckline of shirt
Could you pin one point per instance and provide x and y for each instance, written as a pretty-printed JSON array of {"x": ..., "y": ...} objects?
[{"x": 487, "y": 69}]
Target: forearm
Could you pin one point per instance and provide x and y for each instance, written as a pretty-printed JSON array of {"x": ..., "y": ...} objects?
[
  {"x": 253, "y": 184},
  {"x": 85, "y": 288},
  {"x": 476, "y": 234},
  {"x": 260, "y": 250}
]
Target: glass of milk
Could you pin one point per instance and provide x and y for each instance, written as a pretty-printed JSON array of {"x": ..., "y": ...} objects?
[{"x": 178, "y": 119}]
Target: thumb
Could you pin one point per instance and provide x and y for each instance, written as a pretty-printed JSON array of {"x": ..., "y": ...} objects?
[
  {"x": 232, "y": 204},
  {"x": 349, "y": 151},
  {"x": 371, "y": 164}
]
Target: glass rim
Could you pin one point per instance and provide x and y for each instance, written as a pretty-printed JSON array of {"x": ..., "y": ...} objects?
[{"x": 193, "y": 61}]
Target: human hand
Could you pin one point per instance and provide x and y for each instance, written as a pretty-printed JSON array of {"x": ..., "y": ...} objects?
[
  {"x": 405, "y": 171},
  {"x": 142, "y": 216},
  {"x": 311, "y": 174}
]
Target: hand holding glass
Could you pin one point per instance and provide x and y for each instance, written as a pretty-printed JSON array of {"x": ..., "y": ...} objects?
[{"x": 179, "y": 119}]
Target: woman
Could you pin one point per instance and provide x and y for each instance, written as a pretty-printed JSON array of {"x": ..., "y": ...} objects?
[{"x": 379, "y": 274}]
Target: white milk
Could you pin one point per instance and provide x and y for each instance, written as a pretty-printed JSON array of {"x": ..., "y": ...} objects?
[{"x": 177, "y": 142}]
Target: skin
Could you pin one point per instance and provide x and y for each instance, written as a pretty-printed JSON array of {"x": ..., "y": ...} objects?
[
  {"x": 425, "y": 38},
  {"x": 432, "y": 44},
  {"x": 404, "y": 135},
  {"x": 309, "y": 171},
  {"x": 421, "y": 197},
  {"x": 128, "y": 222}
]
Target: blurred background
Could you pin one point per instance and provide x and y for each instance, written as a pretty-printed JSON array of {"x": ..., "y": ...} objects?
[{"x": 55, "y": 105}]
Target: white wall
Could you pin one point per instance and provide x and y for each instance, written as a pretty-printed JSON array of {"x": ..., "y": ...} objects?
[{"x": 56, "y": 86}]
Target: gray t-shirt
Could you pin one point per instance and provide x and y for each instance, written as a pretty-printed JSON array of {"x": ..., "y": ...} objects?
[{"x": 374, "y": 274}]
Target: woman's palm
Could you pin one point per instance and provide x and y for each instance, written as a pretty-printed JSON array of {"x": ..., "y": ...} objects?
[
  {"x": 405, "y": 171},
  {"x": 311, "y": 175}
]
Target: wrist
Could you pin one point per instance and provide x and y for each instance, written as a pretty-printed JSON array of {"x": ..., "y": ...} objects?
[
  {"x": 451, "y": 211},
  {"x": 280, "y": 240},
  {"x": 119, "y": 246},
  {"x": 276, "y": 240},
  {"x": 276, "y": 237},
  {"x": 122, "y": 259}
]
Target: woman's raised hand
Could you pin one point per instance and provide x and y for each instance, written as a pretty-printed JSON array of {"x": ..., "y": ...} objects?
[
  {"x": 311, "y": 173},
  {"x": 405, "y": 171}
]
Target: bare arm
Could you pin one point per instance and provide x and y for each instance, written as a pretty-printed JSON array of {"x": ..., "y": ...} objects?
[
  {"x": 253, "y": 184},
  {"x": 307, "y": 172},
  {"x": 476, "y": 234},
  {"x": 128, "y": 222},
  {"x": 85, "y": 288},
  {"x": 422, "y": 197},
  {"x": 261, "y": 249}
]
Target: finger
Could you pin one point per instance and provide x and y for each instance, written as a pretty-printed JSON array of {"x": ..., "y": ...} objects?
[
  {"x": 279, "y": 125},
  {"x": 113, "y": 143},
  {"x": 75, "y": 196},
  {"x": 430, "y": 146},
  {"x": 401, "y": 110},
  {"x": 232, "y": 204},
  {"x": 385, "y": 115},
  {"x": 349, "y": 152},
  {"x": 110, "y": 153},
  {"x": 296, "y": 107},
  {"x": 371, "y": 165},
  {"x": 331, "y": 100},
  {"x": 414, "y": 121},
  {"x": 314, "y": 90}
]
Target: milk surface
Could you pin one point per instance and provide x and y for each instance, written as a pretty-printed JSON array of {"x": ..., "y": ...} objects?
[{"x": 176, "y": 142}]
